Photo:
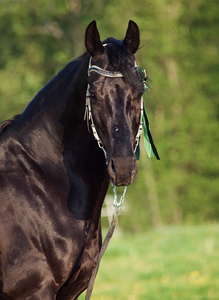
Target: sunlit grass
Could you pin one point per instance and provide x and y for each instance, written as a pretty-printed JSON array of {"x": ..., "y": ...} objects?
[{"x": 169, "y": 263}]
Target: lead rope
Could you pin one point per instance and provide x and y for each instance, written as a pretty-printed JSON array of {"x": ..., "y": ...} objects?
[{"x": 116, "y": 208}]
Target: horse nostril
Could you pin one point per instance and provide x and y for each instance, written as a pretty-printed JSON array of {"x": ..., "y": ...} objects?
[
  {"x": 113, "y": 167},
  {"x": 122, "y": 170},
  {"x": 112, "y": 170}
]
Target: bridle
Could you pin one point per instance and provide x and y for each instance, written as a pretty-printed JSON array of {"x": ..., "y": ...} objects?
[
  {"x": 117, "y": 203},
  {"x": 88, "y": 115},
  {"x": 88, "y": 112}
]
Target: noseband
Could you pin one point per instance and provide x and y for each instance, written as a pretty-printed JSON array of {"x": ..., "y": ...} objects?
[{"x": 88, "y": 112}]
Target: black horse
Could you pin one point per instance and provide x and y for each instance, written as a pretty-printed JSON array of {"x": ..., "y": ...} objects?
[{"x": 53, "y": 175}]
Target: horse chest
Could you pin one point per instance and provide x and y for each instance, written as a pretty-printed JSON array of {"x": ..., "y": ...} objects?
[
  {"x": 56, "y": 260},
  {"x": 82, "y": 270}
]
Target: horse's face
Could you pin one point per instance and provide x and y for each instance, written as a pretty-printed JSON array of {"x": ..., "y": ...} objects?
[{"x": 116, "y": 101}]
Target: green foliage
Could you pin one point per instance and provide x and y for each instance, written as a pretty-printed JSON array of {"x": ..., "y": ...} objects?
[
  {"x": 180, "y": 262},
  {"x": 179, "y": 50}
]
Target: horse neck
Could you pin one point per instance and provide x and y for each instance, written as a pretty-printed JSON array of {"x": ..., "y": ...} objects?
[
  {"x": 54, "y": 120},
  {"x": 59, "y": 106},
  {"x": 53, "y": 129}
]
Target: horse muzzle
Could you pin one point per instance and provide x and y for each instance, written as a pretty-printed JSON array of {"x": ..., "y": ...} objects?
[{"x": 122, "y": 170}]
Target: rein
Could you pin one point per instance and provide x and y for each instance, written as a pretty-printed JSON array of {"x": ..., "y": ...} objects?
[
  {"x": 116, "y": 208},
  {"x": 116, "y": 203}
]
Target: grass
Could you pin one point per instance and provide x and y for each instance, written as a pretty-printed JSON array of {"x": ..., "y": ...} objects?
[{"x": 170, "y": 263}]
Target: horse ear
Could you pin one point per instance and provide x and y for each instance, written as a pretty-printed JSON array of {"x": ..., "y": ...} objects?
[
  {"x": 92, "y": 40},
  {"x": 132, "y": 38}
]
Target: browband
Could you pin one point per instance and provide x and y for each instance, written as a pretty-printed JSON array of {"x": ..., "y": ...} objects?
[{"x": 103, "y": 72}]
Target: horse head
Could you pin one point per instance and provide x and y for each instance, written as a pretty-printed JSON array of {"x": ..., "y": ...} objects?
[{"x": 115, "y": 99}]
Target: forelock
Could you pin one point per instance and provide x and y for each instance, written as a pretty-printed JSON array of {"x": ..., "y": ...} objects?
[{"x": 120, "y": 60}]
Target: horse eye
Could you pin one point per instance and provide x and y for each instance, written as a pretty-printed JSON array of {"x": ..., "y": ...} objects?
[{"x": 93, "y": 97}]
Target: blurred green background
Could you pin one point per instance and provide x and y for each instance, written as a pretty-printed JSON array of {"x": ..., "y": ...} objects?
[
  {"x": 179, "y": 50},
  {"x": 169, "y": 246}
]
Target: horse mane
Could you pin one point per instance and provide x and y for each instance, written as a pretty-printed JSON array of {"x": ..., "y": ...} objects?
[
  {"x": 68, "y": 68},
  {"x": 7, "y": 123}
]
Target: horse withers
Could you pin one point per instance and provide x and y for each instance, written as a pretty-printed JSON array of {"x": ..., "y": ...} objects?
[{"x": 54, "y": 175}]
